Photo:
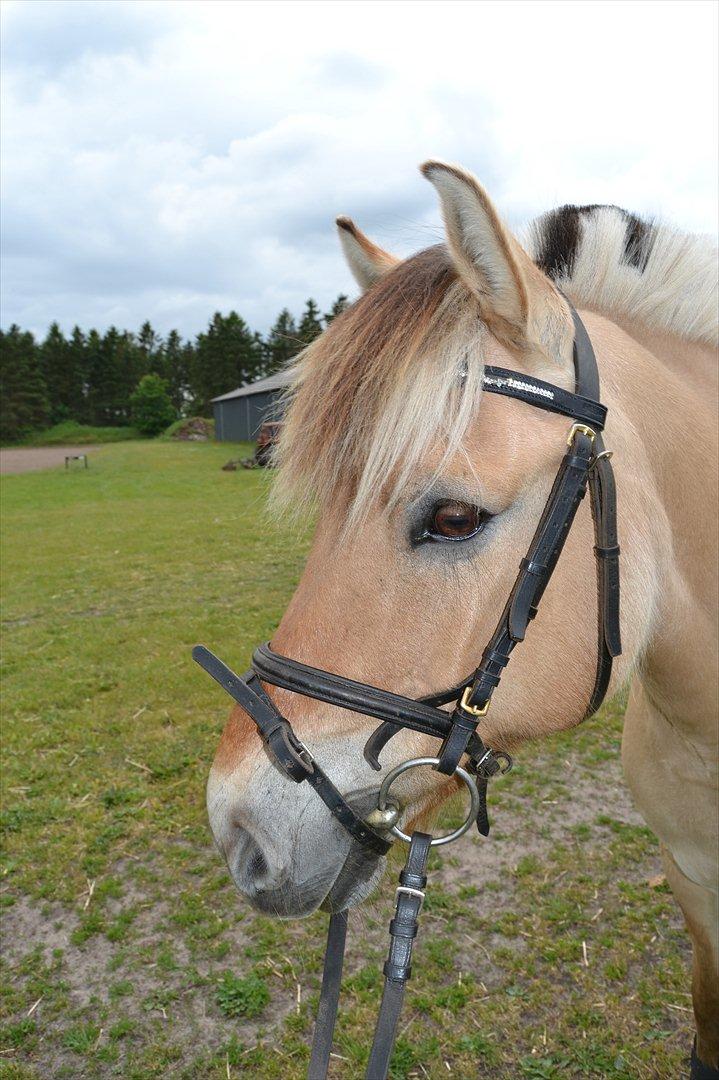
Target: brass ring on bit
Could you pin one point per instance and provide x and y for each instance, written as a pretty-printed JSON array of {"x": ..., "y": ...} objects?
[{"x": 415, "y": 763}]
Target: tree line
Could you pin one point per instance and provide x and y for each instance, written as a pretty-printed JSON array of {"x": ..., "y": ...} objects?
[{"x": 91, "y": 378}]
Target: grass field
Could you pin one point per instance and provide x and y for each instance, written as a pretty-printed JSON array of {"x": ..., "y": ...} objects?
[
  {"x": 70, "y": 433},
  {"x": 551, "y": 950}
]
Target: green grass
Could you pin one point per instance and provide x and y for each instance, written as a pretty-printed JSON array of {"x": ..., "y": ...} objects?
[
  {"x": 70, "y": 433},
  {"x": 246, "y": 996},
  {"x": 544, "y": 952},
  {"x": 110, "y": 576}
]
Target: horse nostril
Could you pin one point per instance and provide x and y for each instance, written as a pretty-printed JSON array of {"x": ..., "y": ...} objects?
[
  {"x": 257, "y": 865},
  {"x": 256, "y": 871}
]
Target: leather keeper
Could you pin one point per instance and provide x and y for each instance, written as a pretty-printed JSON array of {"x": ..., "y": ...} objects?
[
  {"x": 494, "y": 656},
  {"x": 537, "y": 569},
  {"x": 413, "y": 881},
  {"x": 398, "y": 973},
  {"x": 576, "y": 461},
  {"x": 607, "y": 552},
  {"x": 401, "y": 928},
  {"x": 455, "y": 743},
  {"x": 523, "y": 603}
]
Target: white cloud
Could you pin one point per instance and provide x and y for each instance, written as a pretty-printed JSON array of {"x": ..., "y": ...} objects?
[{"x": 164, "y": 160}]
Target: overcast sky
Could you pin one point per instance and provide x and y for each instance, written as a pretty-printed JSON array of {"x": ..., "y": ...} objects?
[{"x": 165, "y": 160}]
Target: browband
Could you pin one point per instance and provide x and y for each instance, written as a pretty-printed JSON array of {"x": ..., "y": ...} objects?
[{"x": 543, "y": 395}]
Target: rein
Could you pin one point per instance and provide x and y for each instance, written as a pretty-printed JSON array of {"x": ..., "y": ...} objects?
[{"x": 585, "y": 465}]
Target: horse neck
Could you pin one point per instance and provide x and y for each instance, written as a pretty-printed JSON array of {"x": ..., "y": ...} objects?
[{"x": 661, "y": 391}]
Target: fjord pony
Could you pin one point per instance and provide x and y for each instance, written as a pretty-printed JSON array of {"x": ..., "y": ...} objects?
[{"x": 427, "y": 494}]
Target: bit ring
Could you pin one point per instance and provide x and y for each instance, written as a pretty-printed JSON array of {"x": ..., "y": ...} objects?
[{"x": 414, "y": 763}]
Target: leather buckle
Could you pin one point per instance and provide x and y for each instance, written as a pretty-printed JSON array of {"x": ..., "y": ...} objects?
[
  {"x": 303, "y": 752},
  {"x": 291, "y": 754},
  {"x": 472, "y": 709},
  {"x": 409, "y": 891},
  {"x": 605, "y": 455},
  {"x": 581, "y": 429}
]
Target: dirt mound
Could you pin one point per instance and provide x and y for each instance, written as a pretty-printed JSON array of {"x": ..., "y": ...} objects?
[{"x": 194, "y": 429}]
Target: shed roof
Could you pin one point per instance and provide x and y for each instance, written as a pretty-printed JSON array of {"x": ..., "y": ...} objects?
[{"x": 278, "y": 381}]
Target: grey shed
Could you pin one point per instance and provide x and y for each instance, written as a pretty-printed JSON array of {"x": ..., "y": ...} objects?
[{"x": 239, "y": 414}]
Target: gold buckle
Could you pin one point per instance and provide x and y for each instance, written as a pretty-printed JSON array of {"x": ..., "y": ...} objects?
[
  {"x": 464, "y": 704},
  {"x": 580, "y": 429}
]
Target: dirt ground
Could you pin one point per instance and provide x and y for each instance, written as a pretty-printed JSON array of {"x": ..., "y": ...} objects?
[
  {"x": 183, "y": 994},
  {"x": 30, "y": 458}
]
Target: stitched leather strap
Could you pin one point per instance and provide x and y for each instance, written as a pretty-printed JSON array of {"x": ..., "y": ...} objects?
[
  {"x": 285, "y": 748},
  {"x": 329, "y": 996},
  {"x": 602, "y": 492},
  {"x": 398, "y": 967},
  {"x": 343, "y": 812}
]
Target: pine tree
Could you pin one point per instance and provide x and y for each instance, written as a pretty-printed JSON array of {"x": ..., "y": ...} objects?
[
  {"x": 227, "y": 355},
  {"x": 115, "y": 364},
  {"x": 341, "y": 304},
  {"x": 115, "y": 390},
  {"x": 282, "y": 342},
  {"x": 101, "y": 377},
  {"x": 63, "y": 375},
  {"x": 149, "y": 345},
  {"x": 310, "y": 324},
  {"x": 129, "y": 363},
  {"x": 77, "y": 362},
  {"x": 176, "y": 370},
  {"x": 259, "y": 353},
  {"x": 23, "y": 397}
]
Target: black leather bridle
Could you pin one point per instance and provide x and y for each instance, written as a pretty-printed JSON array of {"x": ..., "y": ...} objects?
[{"x": 585, "y": 465}]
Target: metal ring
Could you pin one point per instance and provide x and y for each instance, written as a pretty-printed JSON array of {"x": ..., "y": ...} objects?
[{"x": 412, "y": 764}]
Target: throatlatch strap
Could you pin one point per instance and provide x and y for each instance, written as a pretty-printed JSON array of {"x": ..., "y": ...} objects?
[
  {"x": 602, "y": 492},
  {"x": 604, "y": 512},
  {"x": 398, "y": 967}
]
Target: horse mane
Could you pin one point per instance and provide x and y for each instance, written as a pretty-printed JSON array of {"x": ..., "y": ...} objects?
[
  {"x": 395, "y": 373},
  {"x": 618, "y": 264},
  {"x": 395, "y": 379}
]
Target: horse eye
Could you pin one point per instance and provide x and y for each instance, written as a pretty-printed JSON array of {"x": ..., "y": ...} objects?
[{"x": 456, "y": 521}]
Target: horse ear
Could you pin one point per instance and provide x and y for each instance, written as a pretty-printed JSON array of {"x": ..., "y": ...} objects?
[
  {"x": 367, "y": 262},
  {"x": 488, "y": 258}
]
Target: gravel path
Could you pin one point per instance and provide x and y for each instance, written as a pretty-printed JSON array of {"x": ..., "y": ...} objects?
[{"x": 28, "y": 459}]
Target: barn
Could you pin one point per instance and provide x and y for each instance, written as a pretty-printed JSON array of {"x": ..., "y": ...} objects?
[{"x": 239, "y": 414}]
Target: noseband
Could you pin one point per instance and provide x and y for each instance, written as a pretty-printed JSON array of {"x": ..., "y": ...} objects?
[{"x": 585, "y": 465}]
